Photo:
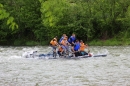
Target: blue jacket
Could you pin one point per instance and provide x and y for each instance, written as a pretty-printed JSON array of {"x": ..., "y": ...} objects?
[
  {"x": 77, "y": 46},
  {"x": 61, "y": 39},
  {"x": 71, "y": 39}
]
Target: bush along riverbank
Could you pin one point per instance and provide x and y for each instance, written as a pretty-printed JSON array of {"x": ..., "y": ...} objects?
[
  {"x": 37, "y": 22},
  {"x": 109, "y": 42}
]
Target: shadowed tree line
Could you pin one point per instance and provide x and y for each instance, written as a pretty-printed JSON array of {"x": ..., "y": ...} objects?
[{"x": 24, "y": 22}]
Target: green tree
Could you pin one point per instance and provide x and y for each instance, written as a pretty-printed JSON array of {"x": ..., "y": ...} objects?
[{"x": 6, "y": 22}]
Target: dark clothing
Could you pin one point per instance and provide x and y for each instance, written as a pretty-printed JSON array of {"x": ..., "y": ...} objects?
[
  {"x": 82, "y": 53},
  {"x": 77, "y": 54},
  {"x": 59, "y": 53}
]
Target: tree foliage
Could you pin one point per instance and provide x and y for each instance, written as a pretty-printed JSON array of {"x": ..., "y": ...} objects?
[
  {"x": 41, "y": 20},
  {"x": 5, "y": 15}
]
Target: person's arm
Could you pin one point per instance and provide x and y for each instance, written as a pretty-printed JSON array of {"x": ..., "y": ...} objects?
[
  {"x": 71, "y": 39},
  {"x": 86, "y": 45},
  {"x": 72, "y": 49},
  {"x": 68, "y": 43},
  {"x": 74, "y": 39},
  {"x": 60, "y": 40},
  {"x": 57, "y": 44}
]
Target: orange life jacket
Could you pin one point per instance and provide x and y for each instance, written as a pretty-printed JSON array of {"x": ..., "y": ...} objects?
[
  {"x": 82, "y": 47},
  {"x": 63, "y": 42},
  {"x": 53, "y": 43},
  {"x": 60, "y": 49}
]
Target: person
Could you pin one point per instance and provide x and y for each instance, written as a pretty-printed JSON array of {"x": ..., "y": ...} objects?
[
  {"x": 55, "y": 38},
  {"x": 60, "y": 51},
  {"x": 82, "y": 48},
  {"x": 72, "y": 39},
  {"x": 54, "y": 44},
  {"x": 75, "y": 48},
  {"x": 65, "y": 45},
  {"x": 63, "y": 36}
]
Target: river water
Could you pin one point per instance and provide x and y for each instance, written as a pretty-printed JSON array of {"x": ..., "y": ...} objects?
[{"x": 113, "y": 70}]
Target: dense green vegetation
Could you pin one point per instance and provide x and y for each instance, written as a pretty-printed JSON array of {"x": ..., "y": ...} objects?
[{"x": 36, "y": 22}]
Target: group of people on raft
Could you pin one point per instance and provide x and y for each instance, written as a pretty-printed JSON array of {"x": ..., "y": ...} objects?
[{"x": 77, "y": 47}]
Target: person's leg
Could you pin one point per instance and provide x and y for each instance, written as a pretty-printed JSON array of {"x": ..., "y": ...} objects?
[
  {"x": 59, "y": 53},
  {"x": 81, "y": 53},
  {"x": 67, "y": 49},
  {"x": 64, "y": 48},
  {"x": 53, "y": 48},
  {"x": 85, "y": 53},
  {"x": 54, "y": 51},
  {"x": 76, "y": 53}
]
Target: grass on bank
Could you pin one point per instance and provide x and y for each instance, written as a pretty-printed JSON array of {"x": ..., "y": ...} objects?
[{"x": 110, "y": 42}]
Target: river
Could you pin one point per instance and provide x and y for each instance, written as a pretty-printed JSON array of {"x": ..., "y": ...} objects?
[{"x": 113, "y": 70}]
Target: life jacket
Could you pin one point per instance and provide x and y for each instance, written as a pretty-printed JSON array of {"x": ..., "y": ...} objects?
[
  {"x": 63, "y": 42},
  {"x": 71, "y": 39},
  {"x": 53, "y": 43},
  {"x": 60, "y": 49},
  {"x": 82, "y": 47},
  {"x": 77, "y": 46}
]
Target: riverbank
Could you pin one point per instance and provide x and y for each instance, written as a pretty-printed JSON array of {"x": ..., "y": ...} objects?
[{"x": 110, "y": 42}]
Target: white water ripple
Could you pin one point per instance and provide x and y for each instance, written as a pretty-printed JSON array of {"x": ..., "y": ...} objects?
[{"x": 113, "y": 70}]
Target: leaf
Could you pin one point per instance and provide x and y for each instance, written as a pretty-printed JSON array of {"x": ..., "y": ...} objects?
[
  {"x": 1, "y": 6},
  {"x": 10, "y": 20},
  {"x": 13, "y": 25}
]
